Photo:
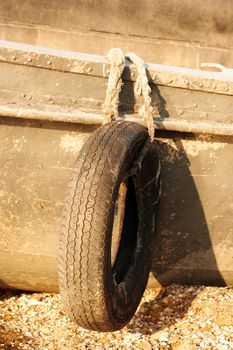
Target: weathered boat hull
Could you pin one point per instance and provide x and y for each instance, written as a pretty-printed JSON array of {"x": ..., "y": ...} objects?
[
  {"x": 194, "y": 240},
  {"x": 51, "y": 101}
]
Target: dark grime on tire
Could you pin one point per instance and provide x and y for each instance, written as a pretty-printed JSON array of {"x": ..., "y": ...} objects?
[{"x": 106, "y": 241}]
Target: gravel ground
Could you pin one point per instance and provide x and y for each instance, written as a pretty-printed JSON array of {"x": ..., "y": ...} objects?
[{"x": 176, "y": 317}]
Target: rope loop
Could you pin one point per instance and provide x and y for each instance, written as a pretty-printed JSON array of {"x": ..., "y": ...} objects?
[
  {"x": 110, "y": 106},
  {"x": 141, "y": 88}
]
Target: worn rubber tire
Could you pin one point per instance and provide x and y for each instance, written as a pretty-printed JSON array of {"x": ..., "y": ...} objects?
[{"x": 96, "y": 295}]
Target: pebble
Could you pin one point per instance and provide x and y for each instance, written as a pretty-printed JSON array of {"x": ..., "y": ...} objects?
[
  {"x": 174, "y": 318},
  {"x": 145, "y": 345},
  {"x": 45, "y": 330},
  {"x": 103, "y": 340},
  {"x": 224, "y": 320},
  {"x": 164, "y": 337},
  {"x": 185, "y": 345},
  {"x": 161, "y": 335}
]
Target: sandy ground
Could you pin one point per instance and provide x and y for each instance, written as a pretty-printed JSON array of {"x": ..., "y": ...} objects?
[{"x": 176, "y": 317}]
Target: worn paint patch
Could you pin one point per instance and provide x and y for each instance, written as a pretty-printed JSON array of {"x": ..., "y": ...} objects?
[
  {"x": 193, "y": 148},
  {"x": 174, "y": 150},
  {"x": 71, "y": 143}
]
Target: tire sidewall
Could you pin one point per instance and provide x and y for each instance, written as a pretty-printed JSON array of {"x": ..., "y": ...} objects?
[{"x": 125, "y": 297}]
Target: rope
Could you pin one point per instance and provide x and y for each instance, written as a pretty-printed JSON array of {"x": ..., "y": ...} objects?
[
  {"x": 141, "y": 88},
  {"x": 110, "y": 106}
]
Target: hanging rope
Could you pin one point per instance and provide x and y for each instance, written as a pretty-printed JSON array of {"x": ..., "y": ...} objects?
[
  {"x": 110, "y": 106},
  {"x": 141, "y": 88}
]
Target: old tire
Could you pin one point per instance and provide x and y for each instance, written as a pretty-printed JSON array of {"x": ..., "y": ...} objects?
[{"x": 97, "y": 295}]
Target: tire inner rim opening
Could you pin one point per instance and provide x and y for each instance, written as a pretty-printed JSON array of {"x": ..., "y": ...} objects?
[
  {"x": 125, "y": 230},
  {"x": 118, "y": 222}
]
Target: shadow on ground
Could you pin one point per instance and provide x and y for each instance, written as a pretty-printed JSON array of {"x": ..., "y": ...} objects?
[{"x": 163, "y": 310}]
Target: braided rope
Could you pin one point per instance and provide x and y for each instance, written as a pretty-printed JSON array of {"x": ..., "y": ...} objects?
[
  {"x": 110, "y": 106},
  {"x": 141, "y": 88}
]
